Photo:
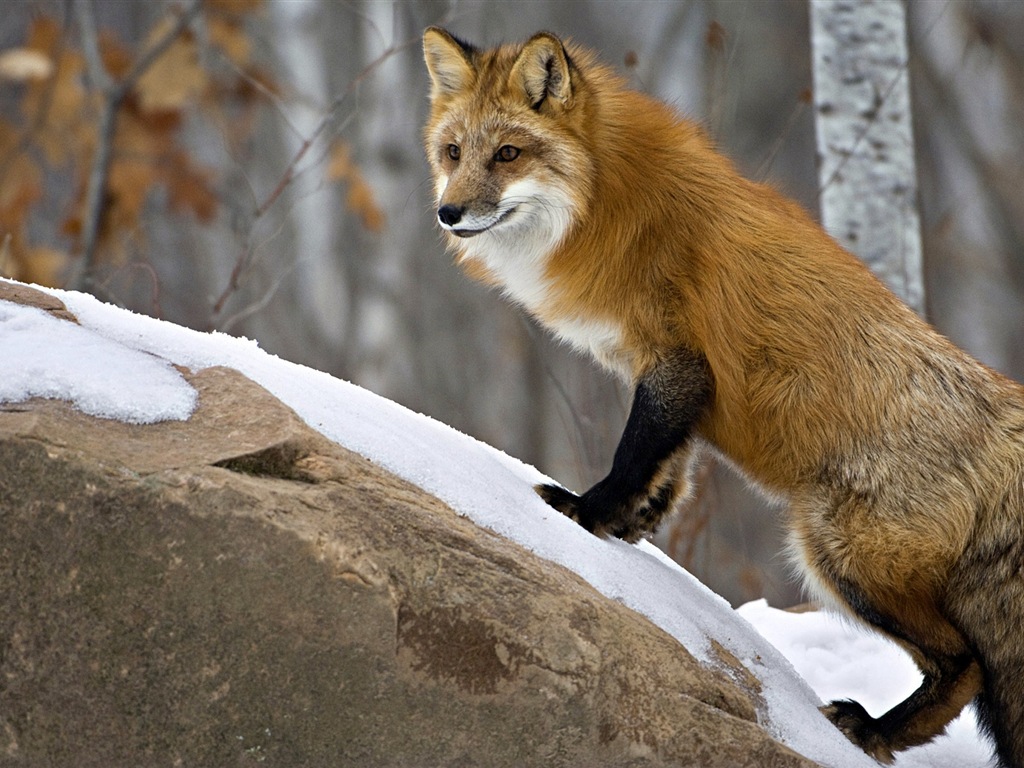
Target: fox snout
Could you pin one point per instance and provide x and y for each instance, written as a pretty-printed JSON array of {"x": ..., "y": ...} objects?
[
  {"x": 467, "y": 220},
  {"x": 449, "y": 215}
]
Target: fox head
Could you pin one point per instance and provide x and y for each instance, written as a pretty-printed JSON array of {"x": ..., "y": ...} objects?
[{"x": 506, "y": 145}]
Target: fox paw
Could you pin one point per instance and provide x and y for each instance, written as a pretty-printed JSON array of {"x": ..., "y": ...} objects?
[
  {"x": 564, "y": 501},
  {"x": 599, "y": 519},
  {"x": 860, "y": 728}
]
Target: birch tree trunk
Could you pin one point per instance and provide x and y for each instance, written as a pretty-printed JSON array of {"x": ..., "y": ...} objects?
[
  {"x": 865, "y": 140},
  {"x": 321, "y": 276}
]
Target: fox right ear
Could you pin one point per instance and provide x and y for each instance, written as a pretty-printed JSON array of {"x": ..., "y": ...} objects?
[{"x": 449, "y": 62}]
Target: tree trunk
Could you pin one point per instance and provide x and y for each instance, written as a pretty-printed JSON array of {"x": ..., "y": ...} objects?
[{"x": 865, "y": 139}]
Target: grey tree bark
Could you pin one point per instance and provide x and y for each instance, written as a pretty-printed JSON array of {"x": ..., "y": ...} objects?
[{"x": 865, "y": 140}]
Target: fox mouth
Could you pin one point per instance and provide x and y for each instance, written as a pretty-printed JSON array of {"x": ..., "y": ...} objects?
[{"x": 464, "y": 233}]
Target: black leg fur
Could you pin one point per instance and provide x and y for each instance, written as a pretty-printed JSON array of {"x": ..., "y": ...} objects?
[
  {"x": 648, "y": 471},
  {"x": 917, "y": 720}
]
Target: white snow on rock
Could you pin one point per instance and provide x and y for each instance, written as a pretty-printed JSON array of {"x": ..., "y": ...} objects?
[
  {"x": 42, "y": 356},
  {"x": 119, "y": 365}
]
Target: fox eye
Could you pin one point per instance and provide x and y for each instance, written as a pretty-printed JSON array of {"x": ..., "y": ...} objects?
[
  {"x": 506, "y": 154},
  {"x": 454, "y": 153}
]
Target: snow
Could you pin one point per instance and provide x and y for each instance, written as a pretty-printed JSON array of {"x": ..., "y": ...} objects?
[
  {"x": 47, "y": 357},
  {"x": 119, "y": 365}
]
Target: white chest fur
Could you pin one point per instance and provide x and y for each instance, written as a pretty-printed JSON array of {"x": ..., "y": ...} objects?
[
  {"x": 600, "y": 338},
  {"x": 516, "y": 253}
]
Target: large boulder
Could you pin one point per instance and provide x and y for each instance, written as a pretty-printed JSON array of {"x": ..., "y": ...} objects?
[{"x": 237, "y": 589}]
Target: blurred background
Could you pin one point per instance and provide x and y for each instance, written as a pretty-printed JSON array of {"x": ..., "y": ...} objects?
[{"x": 255, "y": 167}]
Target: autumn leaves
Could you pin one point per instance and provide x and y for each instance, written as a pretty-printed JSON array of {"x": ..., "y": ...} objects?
[{"x": 96, "y": 129}]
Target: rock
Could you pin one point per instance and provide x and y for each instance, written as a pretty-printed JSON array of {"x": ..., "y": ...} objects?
[
  {"x": 32, "y": 297},
  {"x": 237, "y": 589}
]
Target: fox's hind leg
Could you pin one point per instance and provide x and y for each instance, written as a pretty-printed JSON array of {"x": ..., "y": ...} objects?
[
  {"x": 892, "y": 571},
  {"x": 651, "y": 468},
  {"x": 948, "y": 687},
  {"x": 987, "y": 600}
]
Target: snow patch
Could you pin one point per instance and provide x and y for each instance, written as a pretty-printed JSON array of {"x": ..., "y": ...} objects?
[{"x": 47, "y": 357}]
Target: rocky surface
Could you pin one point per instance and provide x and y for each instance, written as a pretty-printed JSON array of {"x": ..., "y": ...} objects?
[{"x": 236, "y": 589}]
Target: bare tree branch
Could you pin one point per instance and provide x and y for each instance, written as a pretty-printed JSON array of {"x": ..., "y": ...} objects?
[
  {"x": 292, "y": 171},
  {"x": 114, "y": 93},
  {"x": 98, "y": 75},
  {"x": 325, "y": 121},
  {"x": 234, "y": 281}
]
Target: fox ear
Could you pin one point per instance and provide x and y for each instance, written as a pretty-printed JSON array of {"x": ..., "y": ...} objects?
[
  {"x": 449, "y": 62},
  {"x": 543, "y": 71}
]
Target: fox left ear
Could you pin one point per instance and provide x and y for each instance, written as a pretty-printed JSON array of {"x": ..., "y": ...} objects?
[{"x": 543, "y": 71}]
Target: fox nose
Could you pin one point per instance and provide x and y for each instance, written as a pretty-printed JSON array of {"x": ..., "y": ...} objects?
[{"x": 449, "y": 214}]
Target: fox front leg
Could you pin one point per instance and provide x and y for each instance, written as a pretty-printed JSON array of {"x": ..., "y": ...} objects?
[{"x": 651, "y": 466}]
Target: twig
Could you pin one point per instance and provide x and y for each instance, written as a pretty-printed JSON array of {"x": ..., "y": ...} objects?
[
  {"x": 325, "y": 121},
  {"x": 291, "y": 172},
  {"x": 780, "y": 140},
  {"x": 234, "y": 280},
  {"x": 850, "y": 153},
  {"x": 98, "y": 74},
  {"x": 114, "y": 93},
  {"x": 1001, "y": 214},
  {"x": 103, "y": 290},
  {"x": 258, "y": 305}
]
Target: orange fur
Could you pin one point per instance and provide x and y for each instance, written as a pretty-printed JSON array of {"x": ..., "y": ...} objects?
[{"x": 901, "y": 457}]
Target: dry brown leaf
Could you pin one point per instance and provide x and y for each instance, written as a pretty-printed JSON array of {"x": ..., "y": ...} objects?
[
  {"x": 7, "y": 265},
  {"x": 128, "y": 187},
  {"x": 340, "y": 164},
  {"x": 147, "y": 136},
  {"x": 234, "y": 6},
  {"x": 258, "y": 81},
  {"x": 20, "y": 183},
  {"x": 231, "y": 38},
  {"x": 67, "y": 130},
  {"x": 72, "y": 226},
  {"x": 43, "y": 266},
  {"x": 360, "y": 198},
  {"x": 117, "y": 57},
  {"x": 12, "y": 254},
  {"x": 190, "y": 188},
  {"x": 44, "y": 34},
  {"x": 146, "y": 151},
  {"x": 175, "y": 78}
]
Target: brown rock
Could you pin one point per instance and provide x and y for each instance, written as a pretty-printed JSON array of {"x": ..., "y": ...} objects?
[
  {"x": 33, "y": 297},
  {"x": 236, "y": 589}
]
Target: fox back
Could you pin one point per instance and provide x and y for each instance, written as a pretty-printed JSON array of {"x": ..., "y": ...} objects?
[{"x": 745, "y": 329}]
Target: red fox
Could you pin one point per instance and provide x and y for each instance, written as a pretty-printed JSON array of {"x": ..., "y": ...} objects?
[{"x": 744, "y": 328}]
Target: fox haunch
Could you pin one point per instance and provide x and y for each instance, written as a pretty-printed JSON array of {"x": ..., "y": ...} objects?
[{"x": 745, "y": 329}]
